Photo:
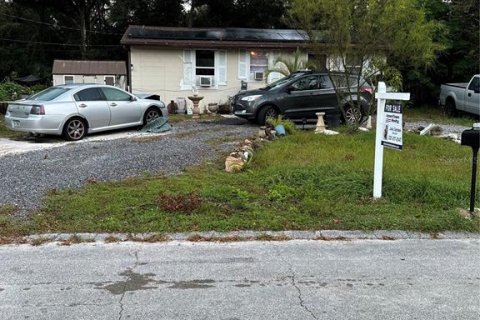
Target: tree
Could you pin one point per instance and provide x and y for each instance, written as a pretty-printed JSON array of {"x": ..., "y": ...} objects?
[
  {"x": 359, "y": 33},
  {"x": 236, "y": 13},
  {"x": 286, "y": 65},
  {"x": 146, "y": 12}
]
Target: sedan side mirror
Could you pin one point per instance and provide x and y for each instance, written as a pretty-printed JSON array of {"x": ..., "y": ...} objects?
[{"x": 132, "y": 98}]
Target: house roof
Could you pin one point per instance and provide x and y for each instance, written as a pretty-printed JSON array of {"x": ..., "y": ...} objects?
[
  {"x": 89, "y": 67},
  {"x": 214, "y": 37}
]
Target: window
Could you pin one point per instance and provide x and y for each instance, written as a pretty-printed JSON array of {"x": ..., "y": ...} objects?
[
  {"x": 253, "y": 65},
  {"x": 90, "y": 94},
  {"x": 116, "y": 95},
  {"x": 353, "y": 63},
  {"x": 48, "y": 94},
  {"x": 258, "y": 64},
  {"x": 109, "y": 80},
  {"x": 307, "y": 83},
  {"x": 68, "y": 79},
  {"x": 325, "y": 83},
  {"x": 475, "y": 84},
  {"x": 205, "y": 63},
  {"x": 341, "y": 80}
]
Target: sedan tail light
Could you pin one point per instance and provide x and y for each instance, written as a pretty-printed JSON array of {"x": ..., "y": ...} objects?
[{"x": 39, "y": 110}]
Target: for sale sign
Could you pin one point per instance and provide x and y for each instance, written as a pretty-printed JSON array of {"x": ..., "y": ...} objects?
[{"x": 393, "y": 126}]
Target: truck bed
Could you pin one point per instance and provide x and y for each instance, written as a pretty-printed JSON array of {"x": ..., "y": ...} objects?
[{"x": 462, "y": 85}]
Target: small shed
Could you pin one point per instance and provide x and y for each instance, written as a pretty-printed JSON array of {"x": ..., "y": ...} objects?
[{"x": 112, "y": 73}]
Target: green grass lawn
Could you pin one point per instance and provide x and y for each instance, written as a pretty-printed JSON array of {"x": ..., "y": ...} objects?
[{"x": 303, "y": 182}]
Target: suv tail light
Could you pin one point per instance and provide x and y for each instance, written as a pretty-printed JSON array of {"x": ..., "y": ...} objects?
[
  {"x": 39, "y": 110},
  {"x": 366, "y": 89}
]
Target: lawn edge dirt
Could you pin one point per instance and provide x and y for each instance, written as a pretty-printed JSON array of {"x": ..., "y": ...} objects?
[{"x": 67, "y": 239}]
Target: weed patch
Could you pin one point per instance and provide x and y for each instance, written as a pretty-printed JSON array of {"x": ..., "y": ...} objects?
[{"x": 185, "y": 203}]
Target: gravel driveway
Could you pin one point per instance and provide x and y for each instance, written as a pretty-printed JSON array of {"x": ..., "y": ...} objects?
[{"x": 25, "y": 178}]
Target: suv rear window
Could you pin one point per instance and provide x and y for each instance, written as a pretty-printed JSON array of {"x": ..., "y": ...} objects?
[
  {"x": 48, "y": 94},
  {"x": 340, "y": 80}
]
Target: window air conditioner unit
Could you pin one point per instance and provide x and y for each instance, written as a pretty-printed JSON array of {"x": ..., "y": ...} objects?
[
  {"x": 259, "y": 75},
  {"x": 206, "y": 81}
]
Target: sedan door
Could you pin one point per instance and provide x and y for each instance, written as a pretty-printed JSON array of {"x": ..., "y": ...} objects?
[
  {"x": 91, "y": 104},
  {"x": 124, "y": 108}
]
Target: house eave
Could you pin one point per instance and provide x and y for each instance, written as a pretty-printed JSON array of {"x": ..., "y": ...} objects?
[{"x": 214, "y": 44}]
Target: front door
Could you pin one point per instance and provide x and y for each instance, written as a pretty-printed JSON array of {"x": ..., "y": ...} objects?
[
  {"x": 91, "y": 104},
  {"x": 472, "y": 96},
  {"x": 124, "y": 110},
  {"x": 299, "y": 102}
]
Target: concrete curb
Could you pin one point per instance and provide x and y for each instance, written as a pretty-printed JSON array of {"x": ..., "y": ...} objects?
[{"x": 237, "y": 236}]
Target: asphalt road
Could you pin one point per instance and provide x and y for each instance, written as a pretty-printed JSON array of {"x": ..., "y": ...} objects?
[{"x": 361, "y": 279}]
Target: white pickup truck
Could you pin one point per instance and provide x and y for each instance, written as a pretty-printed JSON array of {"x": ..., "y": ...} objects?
[{"x": 461, "y": 96}]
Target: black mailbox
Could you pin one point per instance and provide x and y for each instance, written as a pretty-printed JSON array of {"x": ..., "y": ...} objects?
[{"x": 471, "y": 137}]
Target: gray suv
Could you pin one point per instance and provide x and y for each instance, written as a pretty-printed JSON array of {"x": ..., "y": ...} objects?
[{"x": 301, "y": 94}]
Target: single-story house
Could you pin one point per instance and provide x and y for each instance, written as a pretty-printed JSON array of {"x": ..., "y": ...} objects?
[
  {"x": 112, "y": 73},
  {"x": 174, "y": 62}
]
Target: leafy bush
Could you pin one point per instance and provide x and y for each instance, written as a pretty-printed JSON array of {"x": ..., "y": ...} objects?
[
  {"x": 288, "y": 124},
  {"x": 12, "y": 91}
]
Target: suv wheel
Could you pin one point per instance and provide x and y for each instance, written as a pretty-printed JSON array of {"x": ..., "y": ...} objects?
[
  {"x": 265, "y": 113},
  {"x": 353, "y": 114}
]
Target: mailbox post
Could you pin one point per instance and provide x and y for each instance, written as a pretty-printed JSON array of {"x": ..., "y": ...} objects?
[{"x": 471, "y": 137}]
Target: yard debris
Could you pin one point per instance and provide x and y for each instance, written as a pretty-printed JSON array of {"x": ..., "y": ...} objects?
[
  {"x": 431, "y": 129},
  {"x": 451, "y": 136},
  {"x": 243, "y": 154},
  {"x": 266, "y": 132},
  {"x": 437, "y": 131},
  {"x": 329, "y": 132},
  {"x": 233, "y": 164},
  {"x": 158, "y": 125}
]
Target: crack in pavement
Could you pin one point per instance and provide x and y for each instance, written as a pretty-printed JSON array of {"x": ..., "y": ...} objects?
[
  {"x": 120, "y": 314},
  {"x": 302, "y": 303},
  {"x": 294, "y": 282}
]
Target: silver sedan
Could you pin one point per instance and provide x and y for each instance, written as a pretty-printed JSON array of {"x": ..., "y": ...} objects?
[{"x": 75, "y": 110}]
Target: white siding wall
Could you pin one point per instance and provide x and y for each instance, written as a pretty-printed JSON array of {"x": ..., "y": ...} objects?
[
  {"x": 99, "y": 79},
  {"x": 160, "y": 71}
]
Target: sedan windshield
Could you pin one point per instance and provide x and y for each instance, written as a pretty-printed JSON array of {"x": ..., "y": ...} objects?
[{"x": 48, "y": 94}]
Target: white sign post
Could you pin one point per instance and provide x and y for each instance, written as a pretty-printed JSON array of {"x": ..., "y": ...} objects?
[{"x": 389, "y": 126}]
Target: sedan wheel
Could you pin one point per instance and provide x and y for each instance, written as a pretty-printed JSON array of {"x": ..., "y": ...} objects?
[
  {"x": 74, "y": 129},
  {"x": 150, "y": 115},
  {"x": 353, "y": 115}
]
